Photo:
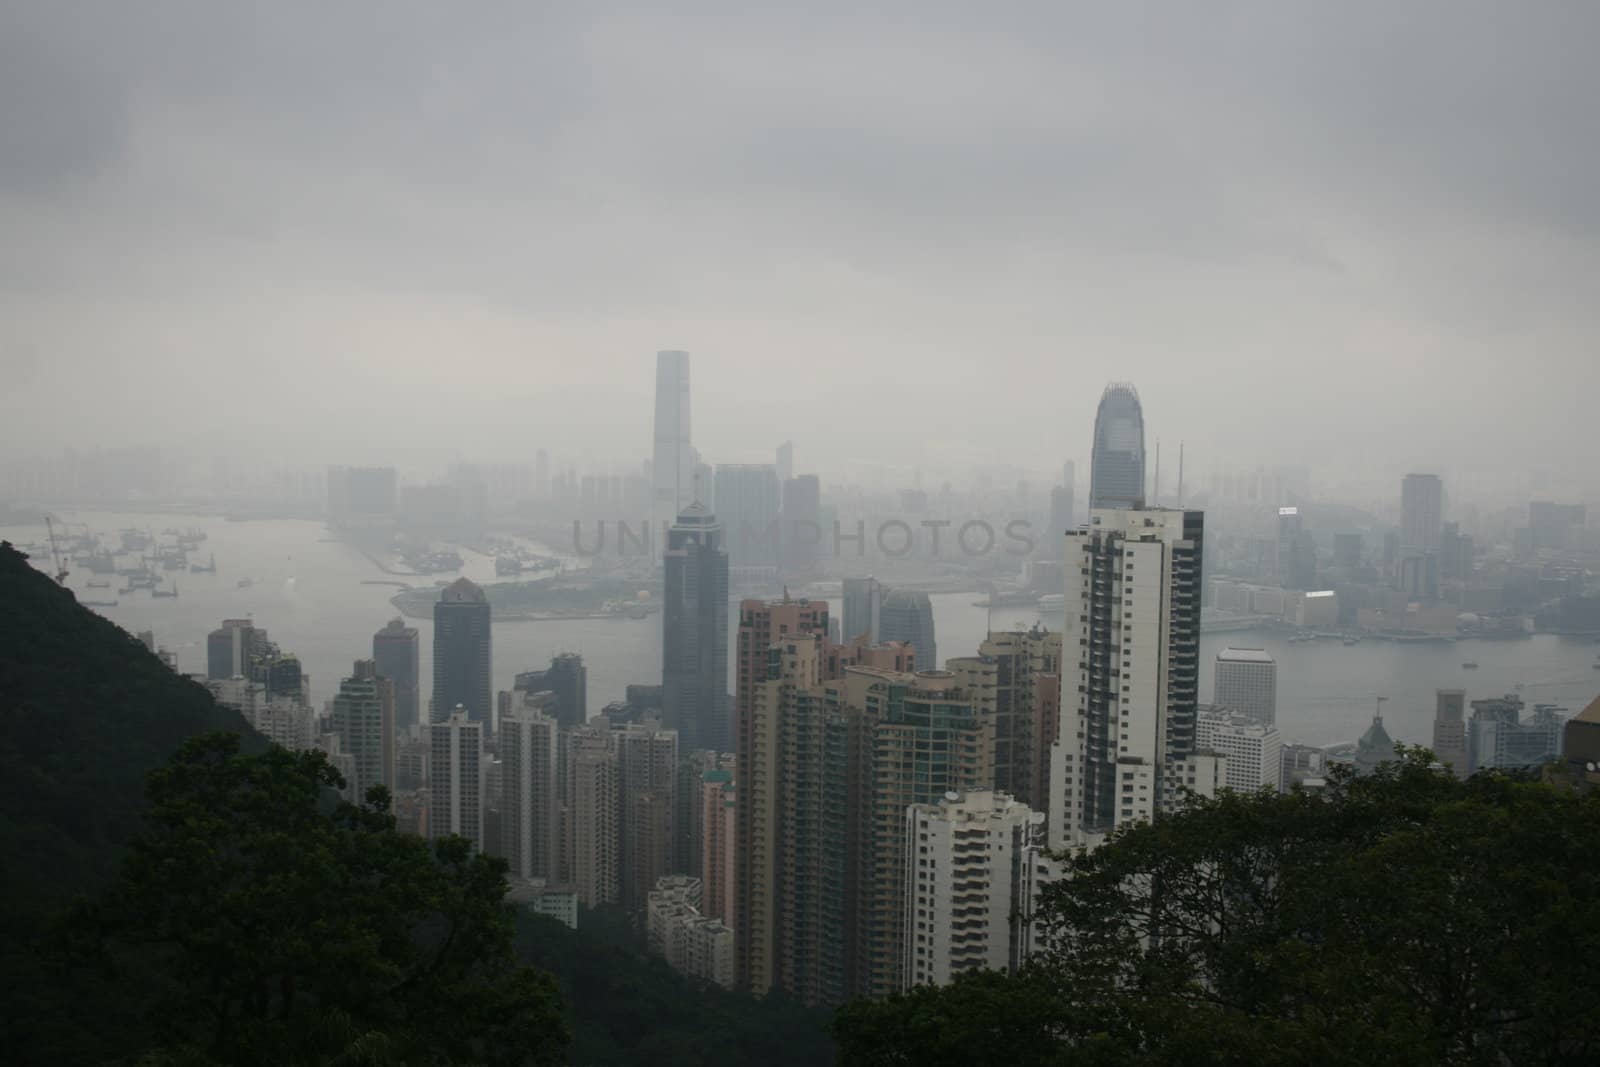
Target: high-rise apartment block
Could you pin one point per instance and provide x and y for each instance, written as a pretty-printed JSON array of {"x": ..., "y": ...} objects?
[
  {"x": 456, "y": 777},
  {"x": 1011, "y": 679},
  {"x": 1246, "y": 680},
  {"x": 530, "y": 802},
  {"x": 1421, "y": 511},
  {"x": 462, "y": 653},
  {"x": 1126, "y": 746},
  {"x": 395, "y": 651},
  {"x": 1252, "y": 749},
  {"x": 965, "y": 857},
  {"x": 692, "y": 943},
  {"x": 647, "y": 781},
  {"x": 591, "y": 840},
  {"x": 1450, "y": 730},
  {"x": 364, "y": 719},
  {"x": 694, "y": 656},
  {"x": 718, "y": 834}
]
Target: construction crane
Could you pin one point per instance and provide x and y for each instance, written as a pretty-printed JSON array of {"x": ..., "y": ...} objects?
[{"x": 55, "y": 552}]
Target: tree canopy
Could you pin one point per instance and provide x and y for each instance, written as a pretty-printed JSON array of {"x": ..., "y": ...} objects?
[
  {"x": 1404, "y": 916},
  {"x": 258, "y": 921}
]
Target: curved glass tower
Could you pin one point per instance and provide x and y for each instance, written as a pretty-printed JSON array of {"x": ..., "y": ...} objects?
[{"x": 1116, "y": 477}]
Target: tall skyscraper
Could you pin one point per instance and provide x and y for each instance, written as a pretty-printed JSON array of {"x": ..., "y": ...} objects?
[
  {"x": 694, "y": 656},
  {"x": 462, "y": 649},
  {"x": 364, "y": 719},
  {"x": 530, "y": 809},
  {"x": 1116, "y": 471},
  {"x": 568, "y": 680},
  {"x": 1450, "y": 729},
  {"x": 749, "y": 503},
  {"x": 1421, "y": 512},
  {"x": 230, "y": 647},
  {"x": 1246, "y": 680},
  {"x": 456, "y": 777},
  {"x": 1126, "y": 747},
  {"x": 801, "y": 525},
  {"x": 863, "y": 608},
  {"x": 786, "y": 461},
  {"x": 673, "y": 459},
  {"x": 908, "y": 617},
  {"x": 761, "y": 624},
  {"x": 395, "y": 651},
  {"x": 960, "y": 904}
]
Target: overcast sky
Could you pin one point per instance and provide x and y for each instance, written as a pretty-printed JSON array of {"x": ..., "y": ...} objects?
[{"x": 920, "y": 234}]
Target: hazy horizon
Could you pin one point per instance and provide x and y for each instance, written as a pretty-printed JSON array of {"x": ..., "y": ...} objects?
[{"x": 1353, "y": 237}]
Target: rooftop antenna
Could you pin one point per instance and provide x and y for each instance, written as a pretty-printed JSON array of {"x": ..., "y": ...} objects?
[
  {"x": 1155, "y": 497},
  {"x": 1180, "y": 474}
]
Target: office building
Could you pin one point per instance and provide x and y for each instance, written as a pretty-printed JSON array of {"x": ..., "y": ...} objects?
[
  {"x": 1450, "y": 730},
  {"x": 965, "y": 886},
  {"x": 567, "y": 680},
  {"x": 590, "y": 838},
  {"x": 1116, "y": 471},
  {"x": 1498, "y": 738},
  {"x": 395, "y": 651},
  {"x": 457, "y": 772},
  {"x": 694, "y": 657},
  {"x": 1125, "y": 750},
  {"x": 786, "y": 461},
  {"x": 801, "y": 526},
  {"x": 1008, "y": 679},
  {"x": 1374, "y": 747},
  {"x": 749, "y": 503},
  {"x": 364, "y": 719},
  {"x": 462, "y": 649},
  {"x": 361, "y": 497},
  {"x": 1252, "y": 748},
  {"x": 1421, "y": 512},
  {"x": 672, "y": 464},
  {"x": 1246, "y": 680},
  {"x": 863, "y": 606},
  {"x": 530, "y": 800},
  {"x": 907, "y": 617},
  {"x": 231, "y": 647},
  {"x": 1061, "y": 519},
  {"x": 1554, "y": 526}
]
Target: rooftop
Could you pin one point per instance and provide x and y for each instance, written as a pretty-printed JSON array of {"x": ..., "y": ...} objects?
[{"x": 1244, "y": 655}]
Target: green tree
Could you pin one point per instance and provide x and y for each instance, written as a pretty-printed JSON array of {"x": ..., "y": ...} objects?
[
  {"x": 1403, "y": 917},
  {"x": 259, "y": 921}
]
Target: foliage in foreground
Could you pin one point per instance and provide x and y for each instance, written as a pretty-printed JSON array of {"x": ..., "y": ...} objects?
[
  {"x": 1405, "y": 917},
  {"x": 259, "y": 923},
  {"x": 627, "y": 1006}
]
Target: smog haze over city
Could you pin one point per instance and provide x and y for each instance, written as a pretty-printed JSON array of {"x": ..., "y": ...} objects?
[
  {"x": 939, "y": 533},
  {"x": 1359, "y": 236}
]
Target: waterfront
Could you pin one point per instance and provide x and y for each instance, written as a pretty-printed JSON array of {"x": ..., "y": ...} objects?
[{"x": 312, "y": 594}]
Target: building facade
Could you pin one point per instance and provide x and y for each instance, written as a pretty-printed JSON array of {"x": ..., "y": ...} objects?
[
  {"x": 694, "y": 657},
  {"x": 530, "y": 802},
  {"x": 1246, "y": 680},
  {"x": 395, "y": 650},
  {"x": 457, "y": 774},
  {"x": 1116, "y": 471},
  {"x": 1126, "y": 747},
  {"x": 1252, "y": 749},
  {"x": 462, "y": 654},
  {"x": 364, "y": 719},
  {"x": 907, "y": 617}
]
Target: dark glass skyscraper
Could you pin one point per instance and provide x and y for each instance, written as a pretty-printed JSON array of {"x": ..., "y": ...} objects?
[
  {"x": 568, "y": 679},
  {"x": 461, "y": 654},
  {"x": 395, "y": 651},
  {"x": 1116, "y": 475},
  {"x": 908, "y": 617},
  {"x": 694, "y": 647}
]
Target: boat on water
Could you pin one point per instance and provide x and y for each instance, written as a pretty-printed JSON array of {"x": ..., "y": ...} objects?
[
  {"x": 204, "y": 568},
  {"x": 166, "y": 592},
  {"x": 245, "y": 583},
  {"x": 1470, "y": 665},
  {"x": 98, "y": 583},
  {"x": 98, "y": 603},
  {"x": 1352, "y": 641},
  {"x": 1053, "y": 602}
]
